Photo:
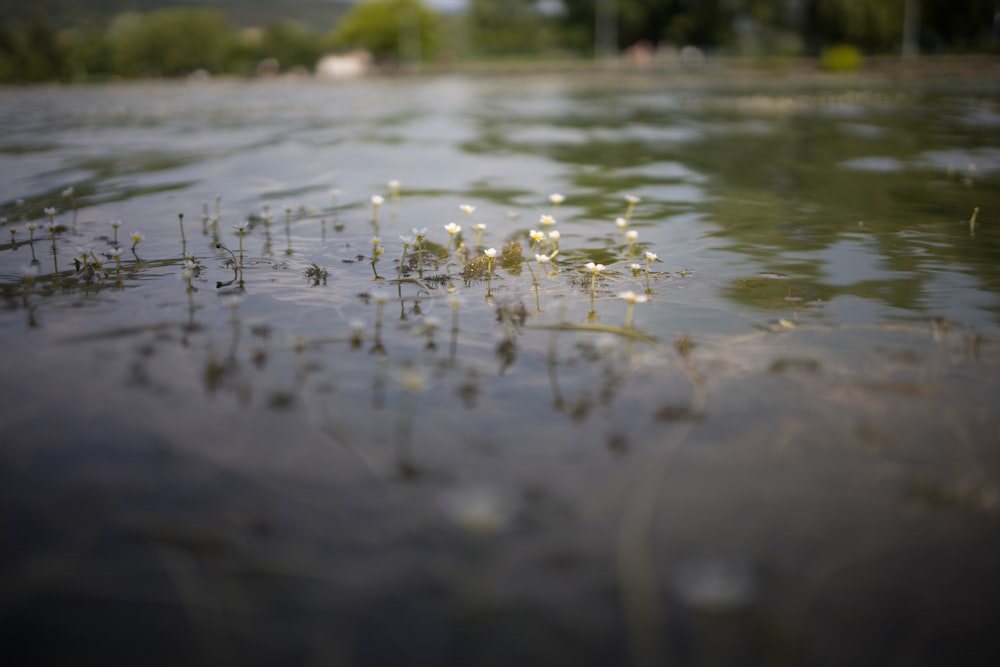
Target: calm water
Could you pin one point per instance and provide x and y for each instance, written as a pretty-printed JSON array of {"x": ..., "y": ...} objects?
[{"x": 791, "y": 457}]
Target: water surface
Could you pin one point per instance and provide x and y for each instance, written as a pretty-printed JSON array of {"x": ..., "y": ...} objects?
[{"x": 790, "y": 457}]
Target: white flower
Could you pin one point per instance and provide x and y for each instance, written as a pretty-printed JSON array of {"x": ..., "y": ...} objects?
[
  {"x": 376, "y": 240},
  {"x": 32, "y": 226},
  {"x": 547, "y": 220},
  {"x": 650, "y": 256},
  {"x": 419, "y": 234},
  {"x": 635, "y": 267},
  {"x": 394, "y": 185},
  {"x": 357, "y": 326},
  {"x": 240, "y": 227},
  {"x": 137, "y": 237},
  {"x": 115, "y": 224},
  {"x": 554, "y": 235},
  {"x": 542, "y": 259},
  {"x": 232, "y": 300},
  {"x": 29, "y": 272},
  {"x": 632, "y": 199},
  {"x": 50, "y": 211},
  {"x": 536, "y": 235},
  {"x": 431, "y": 323},
  {"x": 467, "y": 209},
  {"x": 407, "y": 240},
  {"x": 490, "y": 252},
  {"x": 556, "y": 198},
  {"x": 621, "y": 223},
  {"x": 593, "y": 268},
  {"x": 377, "y": 200},
  {"x": 412, "y": 378},
  {"x": 116, "y": 252},
  {"x": 453, "y": 228},
  {"x": 479, "y": 226},
  {"x": 190, "y": 265},
  {"x": 632, "y": 297},
  {"x": 478, "y": 510},
  {"x": 631, "y": 235}
]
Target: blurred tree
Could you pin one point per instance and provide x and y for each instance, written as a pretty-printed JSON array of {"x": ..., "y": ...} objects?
[
  {"x": 392, "y": 30},
  {"x": 291, "y": 44},
  {"x": 40, "y": 58},
  {"x": 505, "y": 27},
  {"x": 168, "y": 42},
  {"x": 87, "y": 54}
]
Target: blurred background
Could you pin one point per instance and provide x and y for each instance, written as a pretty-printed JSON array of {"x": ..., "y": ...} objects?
[{"x": 94, "y": 40}]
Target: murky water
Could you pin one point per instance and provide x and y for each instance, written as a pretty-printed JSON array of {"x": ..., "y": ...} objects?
[{"x": 790, "y": 456}]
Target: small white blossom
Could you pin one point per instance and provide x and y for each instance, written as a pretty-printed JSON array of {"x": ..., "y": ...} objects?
[
  {"x": 467, "y": 209},
  {"x": 556, "y": 198},
  {"x": 536, "y": 235},
  {"x": 621, "y": 223},
  {"x": 543, "y": 259},
  {"x": 377, "y": 200},
  {"x": 240, "y": 227},
  {"x": 137, "y": 237},
  {"x": 554, "y": 235},
  {"x": 631, "y": 235},
  {"x": 650, "y": 256},
  {"x": 593, "y": 268},
  {"x": 453, "y": 228},
  {"x": 50, "y": 211},
  {"x": 632, "y": 199},
  {"x": 632, "y": 297},
  {"x": 547, "y": 220},
  {"x": 479, "y": 226},
  {"x": 490, "y": 252}
]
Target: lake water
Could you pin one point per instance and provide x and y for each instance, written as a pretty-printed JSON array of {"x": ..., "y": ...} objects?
[{"x": 789, "y": 453}]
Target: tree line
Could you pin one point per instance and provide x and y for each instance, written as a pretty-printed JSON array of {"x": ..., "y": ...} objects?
[{"x": 177, "y": 41}]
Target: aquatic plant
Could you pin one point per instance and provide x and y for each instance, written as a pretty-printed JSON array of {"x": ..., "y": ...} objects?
[
  {"x": 631, "y": 298},
  {"x": 241, "y": 229},
  {"x": 556, "y": 199},
  {"x": 490, "y": 254},
  {"x": 452, "y": 229},
  {"x": 630, "y": 204},
  {"x": 480, "y": 228}
]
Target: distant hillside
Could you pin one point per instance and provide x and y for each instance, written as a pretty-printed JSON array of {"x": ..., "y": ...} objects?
[{"x": 96, "y": 14}]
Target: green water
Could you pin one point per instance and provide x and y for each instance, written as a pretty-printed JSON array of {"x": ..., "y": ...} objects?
[{"x": 790, "y": 456}]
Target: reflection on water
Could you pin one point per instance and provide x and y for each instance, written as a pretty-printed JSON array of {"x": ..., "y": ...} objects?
[{"x": 286, "y": 441}]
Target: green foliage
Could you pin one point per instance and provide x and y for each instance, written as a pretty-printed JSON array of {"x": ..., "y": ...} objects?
[
  {"x": 291, "y": 44},
  {"x": 393, "y": 30},
  {"x": 841, "y": 58},
  {"x": 168, "y": 42},
  {"x": 507, "y": 27}
]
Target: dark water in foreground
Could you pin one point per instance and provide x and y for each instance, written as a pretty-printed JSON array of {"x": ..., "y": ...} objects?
[{"x": 791, "y": 456}]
